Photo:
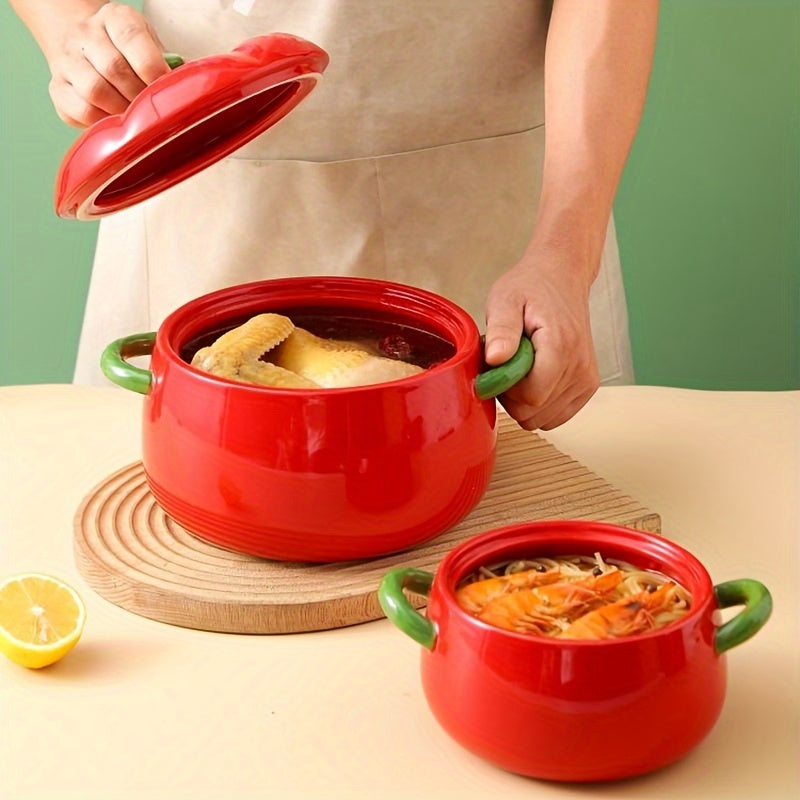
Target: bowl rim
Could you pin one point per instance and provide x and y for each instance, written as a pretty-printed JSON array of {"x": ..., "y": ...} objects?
[{"x": 459, "y": 561}]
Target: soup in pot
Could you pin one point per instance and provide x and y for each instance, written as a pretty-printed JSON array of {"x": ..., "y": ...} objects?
[
  {"x": 573, "y": 597},
  {"x": 302, "y": 349}
]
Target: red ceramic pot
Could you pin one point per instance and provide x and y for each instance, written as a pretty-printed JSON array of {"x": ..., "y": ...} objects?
[
  {"x": 574, "y": 710},
  {"x": 316, "y": 475}
]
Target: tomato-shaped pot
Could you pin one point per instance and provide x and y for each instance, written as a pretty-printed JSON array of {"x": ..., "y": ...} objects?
[
  {"x": 569, "y": 709},
  {"x": 323, "y": 474}
]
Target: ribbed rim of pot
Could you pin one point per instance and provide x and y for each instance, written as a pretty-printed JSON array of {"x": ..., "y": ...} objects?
[
  {"x": 576, "y": 537},
  {"x": 429, "y": 311}
]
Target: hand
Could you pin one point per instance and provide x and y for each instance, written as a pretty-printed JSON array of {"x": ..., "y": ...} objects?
[
  {"x": 543, "y": 297},
  {"x": 102, "y": 62}
]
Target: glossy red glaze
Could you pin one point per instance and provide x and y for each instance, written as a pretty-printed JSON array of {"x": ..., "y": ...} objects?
[
  {"x": 318, "y": 475},
  {"x": 185, "y": 121},
  {"x": 579, "y": 710}
]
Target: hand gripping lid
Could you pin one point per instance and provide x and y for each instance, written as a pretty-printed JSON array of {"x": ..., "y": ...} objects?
[{"x": 185, "y": 121}]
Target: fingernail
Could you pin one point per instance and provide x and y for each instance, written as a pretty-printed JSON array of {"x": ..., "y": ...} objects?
[{"x": 493, "y": 348}]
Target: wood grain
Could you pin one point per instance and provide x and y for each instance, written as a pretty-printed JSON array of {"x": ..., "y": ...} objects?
[{"x": 134, "y": 555}]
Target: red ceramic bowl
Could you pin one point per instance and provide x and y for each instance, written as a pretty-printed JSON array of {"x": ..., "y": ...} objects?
[
  {"x": 316, "y": 475},
  {"x": 574, "y": 710}
]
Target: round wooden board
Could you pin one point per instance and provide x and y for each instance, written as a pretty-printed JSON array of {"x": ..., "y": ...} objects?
[
  {"x": 134, "y": 555},
  {"x": 137, "y": 557}
]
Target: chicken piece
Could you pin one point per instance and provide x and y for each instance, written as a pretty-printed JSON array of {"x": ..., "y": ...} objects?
[
  {"x": 266, "y": 374},
  {"x": 335, "y": 364},
  {"x": 236, "y": 354}
]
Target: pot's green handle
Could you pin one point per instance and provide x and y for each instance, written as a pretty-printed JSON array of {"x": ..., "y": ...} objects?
[
  {"x": 173, "y": 60},
  {"x": 757, "y": 603},
  {"x": 500, "y": 379},
  {"x": 397, "y": 608},
  {"x": 117, "y": 369}
]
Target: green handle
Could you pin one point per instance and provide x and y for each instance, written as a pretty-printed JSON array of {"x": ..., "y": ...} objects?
[
  {"x": 116, "y": 368},
  {"x": 500, "y": 379},
  {"x": 397, "y": 608},
  {"x": 757, "y": 603},
  {"x": 173, "y": 60}
]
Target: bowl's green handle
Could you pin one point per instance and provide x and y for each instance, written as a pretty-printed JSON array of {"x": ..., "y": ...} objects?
[
  {"x": 500, "y": 379},
  {"x": 757, "y": 603},
  {"x": 117, "y": 369},
  {"x": 397, "y": 608},
  {"x": 173, "y": 60}
]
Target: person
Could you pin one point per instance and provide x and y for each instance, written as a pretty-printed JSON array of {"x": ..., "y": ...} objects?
[{"x": 420, "y": 157}]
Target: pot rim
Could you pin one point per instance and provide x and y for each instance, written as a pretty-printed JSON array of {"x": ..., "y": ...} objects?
[
  {"x": 189, "y": 320},
  {"x": 507, "y": 540}
]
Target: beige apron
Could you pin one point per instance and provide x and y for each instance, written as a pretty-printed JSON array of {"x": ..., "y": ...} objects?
[{"x": 417, "y": 159}]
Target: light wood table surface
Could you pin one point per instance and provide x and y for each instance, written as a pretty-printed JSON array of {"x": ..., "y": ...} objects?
[{"x": 141, "y": 709}]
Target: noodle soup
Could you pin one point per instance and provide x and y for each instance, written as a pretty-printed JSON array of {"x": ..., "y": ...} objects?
[
  {"x": 544, "y": 705},
  {"x": 573, "y": 597}
]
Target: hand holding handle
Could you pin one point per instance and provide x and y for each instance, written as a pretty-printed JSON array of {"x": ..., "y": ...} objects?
[{"x": 500, "y": 379}]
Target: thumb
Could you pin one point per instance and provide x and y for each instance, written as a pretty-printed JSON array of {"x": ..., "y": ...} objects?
[{"x": 504, "y": 327}]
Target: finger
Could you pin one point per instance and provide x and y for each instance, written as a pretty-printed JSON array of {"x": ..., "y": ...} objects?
[
  {"x": 71, "y": 107},
  {"x": 548, "y": 375},
  {"x": 526, "y": 416},
  {"x": 108, "y": 62},
  {"x": 529, "y": 399},
  {"x": 74, "y": 123},
  {"x": 570, "y": 388},
  {"x": 134, "y": 39},
  {"x": 577, "y": 385},
  {"x": 565, "y": 413},
  {"x": 551, "y": 417},
  {"x": 504, "y": 327},
  {"x": 94, "y": 88}
]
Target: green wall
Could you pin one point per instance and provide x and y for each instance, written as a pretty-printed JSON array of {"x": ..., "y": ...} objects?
[
  {"x": 707, "y": 213},
  {"x": 709, "y": 208},
  {"x": 44, "y": 261}
]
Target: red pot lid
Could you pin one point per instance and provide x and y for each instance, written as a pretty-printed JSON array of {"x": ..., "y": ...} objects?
[{"x": 185, "y": 121}]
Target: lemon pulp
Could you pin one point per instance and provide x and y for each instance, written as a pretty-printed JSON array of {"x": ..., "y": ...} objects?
[{"x": 41, "y": 619}]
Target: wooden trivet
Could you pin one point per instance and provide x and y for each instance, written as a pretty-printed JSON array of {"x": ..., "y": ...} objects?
[{"x": 134, "y": 555}]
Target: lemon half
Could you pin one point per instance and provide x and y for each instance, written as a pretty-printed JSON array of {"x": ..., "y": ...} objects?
[{"x": 41, "y": 619}]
